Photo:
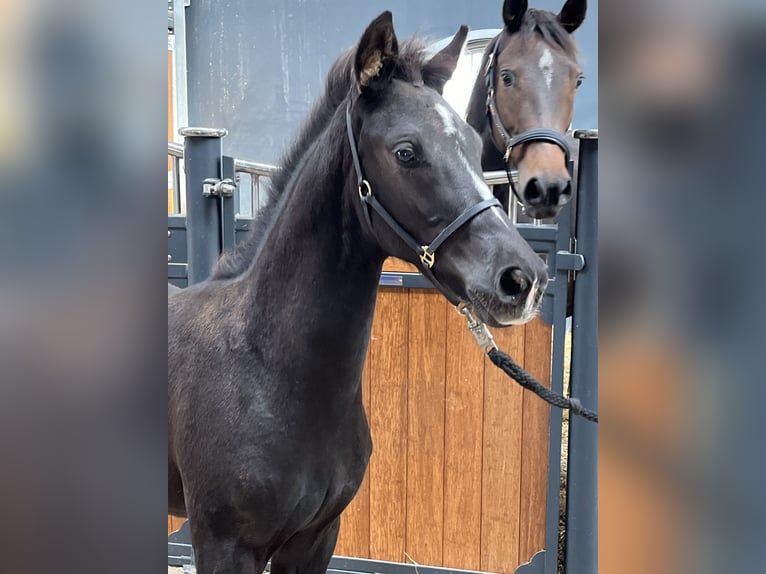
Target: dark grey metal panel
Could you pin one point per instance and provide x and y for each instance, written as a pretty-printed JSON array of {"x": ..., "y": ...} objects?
[
  {"x": 582, "y": 474},
  {"x": 256, "y": 66},
  {"x": 179, "y": 546},
  {"x": 536, "y": 565}
]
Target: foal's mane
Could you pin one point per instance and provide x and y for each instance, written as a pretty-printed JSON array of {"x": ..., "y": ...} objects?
[{"x": 340, "y": 81}]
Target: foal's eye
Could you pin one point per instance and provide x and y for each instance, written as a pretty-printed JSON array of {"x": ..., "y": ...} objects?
[
  {"x": 507, "y": 77},
  {"x": 580, "y": 78},
  {"x": 404, "y": 155}
]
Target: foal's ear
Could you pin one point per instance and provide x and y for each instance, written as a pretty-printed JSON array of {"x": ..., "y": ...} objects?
[
  {"x": 440, "y": 68},
  {"x": 376, "y": 54},
  {"x": 513, "y": 14},
  {"x": 573, "y": 14}
]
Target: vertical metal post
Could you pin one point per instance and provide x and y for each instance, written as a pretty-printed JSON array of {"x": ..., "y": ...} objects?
[
  {"x": 202, "y": 159},
  {"x": 582, "y": 499},
  {"x": 228, "y": 209}
]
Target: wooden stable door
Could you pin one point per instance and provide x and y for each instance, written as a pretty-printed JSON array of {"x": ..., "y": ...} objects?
[{"x": 458, "y": 473}]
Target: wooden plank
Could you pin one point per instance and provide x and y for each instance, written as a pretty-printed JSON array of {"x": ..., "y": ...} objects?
[
  {"x": 534, "y": 466},
  {"x": 174, "y": 523},
  {"x": 354, "y": 537},
  {"x": 464, "y": 411},
  {"x": 388, "y": 421},
  {"x": 501, "y": 471},
  {"x": 394, "y": 264},
  {"x": 425, "y": 432}
]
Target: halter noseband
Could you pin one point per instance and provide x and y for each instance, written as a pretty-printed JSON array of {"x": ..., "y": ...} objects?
[
  {"x": 493, "y": 118},
  {"x": 426, "y": 253}
]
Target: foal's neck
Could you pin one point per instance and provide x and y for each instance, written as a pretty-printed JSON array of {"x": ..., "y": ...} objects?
[{"x": 314, "y": 282}]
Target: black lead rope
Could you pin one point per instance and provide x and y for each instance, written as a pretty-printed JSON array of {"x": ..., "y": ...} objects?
[
  {"x": 509, "y": 366},
  {"x": 504, "y": 362}
]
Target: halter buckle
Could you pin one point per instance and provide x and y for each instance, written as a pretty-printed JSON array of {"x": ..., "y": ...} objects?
[
  {"x": 427, "y": 257},
  {"x": 366, "y": 184},
  {"x": 507, "y": 155}
]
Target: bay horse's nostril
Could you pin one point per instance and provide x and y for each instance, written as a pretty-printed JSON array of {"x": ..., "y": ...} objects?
[
  {"x": 514, "y": 285},
  {"x": 550, "y": 192},
  {"x": 533, "y": 192}
]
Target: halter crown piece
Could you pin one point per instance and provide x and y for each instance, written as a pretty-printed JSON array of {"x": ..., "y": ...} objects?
[
  {"x": 493, "y": 118},
  {"x": 426, "y": 253}
]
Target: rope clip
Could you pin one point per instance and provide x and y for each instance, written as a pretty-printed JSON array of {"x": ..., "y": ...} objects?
[{"x": 478, "y": 329}]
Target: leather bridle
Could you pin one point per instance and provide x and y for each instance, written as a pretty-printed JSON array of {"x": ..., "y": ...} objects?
[
  {"x": 426, "y": 253},
  {"x": 493, "y": 117}
]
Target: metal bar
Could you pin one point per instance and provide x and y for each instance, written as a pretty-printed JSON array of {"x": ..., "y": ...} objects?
[
  {"x": 202, "y": 156},
  {"x": 175, "y": 149},
  {"x": 500, "y": 177},
  {"x": 558, "y": 320},
  {"x": 228, "y": 223},
  {"x": 254, "y": 167},
  {"x": 176, "y": 185},
  {"x": 582, "y": 498},
  {"x": 255, "y": 194}
]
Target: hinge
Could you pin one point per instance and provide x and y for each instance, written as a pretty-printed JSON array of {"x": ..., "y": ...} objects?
[{"x": 219, "y": 188}]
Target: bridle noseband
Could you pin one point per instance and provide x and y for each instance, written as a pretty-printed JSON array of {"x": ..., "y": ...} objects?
[
  {"x": 426, "y": 253},
  {"x": 493, "y": 117}
]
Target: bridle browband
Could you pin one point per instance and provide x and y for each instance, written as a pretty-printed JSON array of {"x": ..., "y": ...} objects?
[
  {"x": 493, "y": 118},
  {"x": 426, "y": 253}
]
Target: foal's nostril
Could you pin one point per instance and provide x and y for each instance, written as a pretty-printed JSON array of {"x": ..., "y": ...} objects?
[
  {"x": 533, "y": 192},
  {"x": 514, "y": 284}
]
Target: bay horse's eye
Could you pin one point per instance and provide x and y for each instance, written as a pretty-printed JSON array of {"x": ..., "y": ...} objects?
[
  {"x": 507, "y": 77},
  {"x": 404, "y": 155},
  {"x": 580, "y": 78}
]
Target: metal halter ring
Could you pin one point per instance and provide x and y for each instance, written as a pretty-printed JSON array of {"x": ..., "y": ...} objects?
[{"x": 366, "y": 184}]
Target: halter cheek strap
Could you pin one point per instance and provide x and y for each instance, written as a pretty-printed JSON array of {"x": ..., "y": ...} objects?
[
  {"x": 493, "y": 118},
  {"x": 426, "y": 253}
]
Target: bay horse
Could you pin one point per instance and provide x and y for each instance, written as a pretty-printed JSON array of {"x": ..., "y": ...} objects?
[
  {"x": 268, "y": 438},
  {"x": 523, "y": 100}
]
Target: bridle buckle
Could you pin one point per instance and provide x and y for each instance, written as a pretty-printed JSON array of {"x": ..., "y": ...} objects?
[{"x": 427, "y": 257}]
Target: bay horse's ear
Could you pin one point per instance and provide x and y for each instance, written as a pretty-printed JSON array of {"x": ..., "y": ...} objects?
[
  {"x": 573, "y": 14},
  {"x": 376, "y": 54},
  {"x": 513, "y": 14},
  {"x": 440, "y": 68}
]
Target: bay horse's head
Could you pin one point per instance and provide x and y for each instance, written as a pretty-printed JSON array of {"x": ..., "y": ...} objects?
[
  {"x": 419, "y": 191},
  {"x": 532, "y": 74}
]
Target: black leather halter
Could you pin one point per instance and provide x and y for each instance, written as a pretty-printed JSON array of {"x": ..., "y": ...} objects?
[
  {"x": 426, "y": 253},
  {"x": 493, "y": 117}
]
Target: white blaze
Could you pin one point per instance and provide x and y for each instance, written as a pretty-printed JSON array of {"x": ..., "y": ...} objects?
[
  {"x": 478, "y": 181},
  {"x": 546, "y": 67},
  {"x": 447, "y": 117}
]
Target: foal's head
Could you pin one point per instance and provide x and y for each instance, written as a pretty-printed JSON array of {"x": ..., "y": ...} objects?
[
  {"x": 423, "y": 164},
  {"x": 535, "y": 75}
]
